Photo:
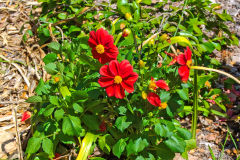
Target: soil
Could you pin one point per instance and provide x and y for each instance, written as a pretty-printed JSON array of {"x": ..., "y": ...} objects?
[{"x": 21, "y": 68}]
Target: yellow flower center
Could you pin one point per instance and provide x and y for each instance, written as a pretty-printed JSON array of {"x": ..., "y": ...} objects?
[
  {"x": 144, "y": 95},
  {"x": 100, "y": 49},
  {"x": 117, "y": 79},
  {"x": 163, "y": 105},
  {"x": 189, "y": 63},
  {"x": 152, "y": 85}
]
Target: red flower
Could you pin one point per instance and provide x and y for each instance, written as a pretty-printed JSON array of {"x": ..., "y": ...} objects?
[
  {"x": 102, "y": 46},
  {"x": 153, "y": 85},
  {"x": 154, "y": 99},
  {"x": 185, "y": 60},
  {"x": 102, "y": 127},
  {"x": 26, "y": 115},
  {"x": 117, "y": 77},
  {"x": 173, "y": 56}
]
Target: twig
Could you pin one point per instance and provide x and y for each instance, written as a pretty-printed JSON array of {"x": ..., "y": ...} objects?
[
  {"x": 61, "y": 32},
  {"x": 18, "y": 140},
  {"x": 13, "y": 102},
  {"x": 62, "y": 156},
  {"x": 19, "y": 70}
]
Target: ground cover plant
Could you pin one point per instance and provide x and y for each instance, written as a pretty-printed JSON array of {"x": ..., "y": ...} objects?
[{"x": 122, "y": 72}]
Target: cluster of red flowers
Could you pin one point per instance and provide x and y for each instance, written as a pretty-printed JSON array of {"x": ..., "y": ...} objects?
[
  {"x": 116, "y": 77},
  {"x": 185, "y": 61},
  {"x": 152, "y": 97}
]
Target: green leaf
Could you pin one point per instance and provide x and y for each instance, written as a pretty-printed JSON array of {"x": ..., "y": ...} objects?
[
  {"x": 64, "y": 91},
  {"x": 105, "y": 143},
  {"x": 119, "y": 147},
  {"x": 164, "y": 96},
  {"x": 53, "y": 100},
  {"x": 123, "y": 6},
  {"x": 51, "y": 68},
  {"x": 162, "y": 130},
  {"x": 164, "y": 152},
  {"x": 183, "y": 93},
  {"x": 34, "y": 145},
  {"x": 77, "y": 108},
  {"x": 58, "y": 114},
  {"x": 121, "y": 123},
  {"x": 49, "y": 110},
  {"x": 176, "y": 144},
  {"x": 55, "y": 46},
  {"x": 49, "y": 58},
  {"x": 91, "y": 121},
  {"x": 74, "y": 29},
  {"x": 47, "y": 146},
  {"x": 46, "y": 32},
  {"x": 71, "y": 126},
  {"x": 79, "y": 96},
  {"x": 171, "y": 29},
  {"x": 184, "y": 133},
  {"x": 136, "y": 146},
  {"x": 42, "y": 88},
  {"x": 65, "y": 138},
  {"x": 34, "y": 99},
  {"x": 181, "y": 40},
  {"x": 140, "y": 158},
  {"x": 62, "y": 16},
  {"x": 147, "y": 2}
]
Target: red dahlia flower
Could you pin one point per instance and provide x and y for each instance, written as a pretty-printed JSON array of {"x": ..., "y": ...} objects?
[
  {"x": 155, "y": 100},
  {"x": 102, "y": 127},
  {"x": 153, "y": 85},
  {"x": 117, "y": 77},
  {"x": 26, "y": 115},
  {"x": 102, "y": 46},
  {"x": 185, "y": 60}
]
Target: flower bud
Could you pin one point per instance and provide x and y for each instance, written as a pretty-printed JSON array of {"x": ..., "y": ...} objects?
[
  {"x": 126, "y": 32},
  {"x": 151, "y": 42},
  {"x": 128, "y": 16},
  {"x": 56, "y": 79},
  {"x": 164, "y": 37},
  {"x": 141, "y": 64},
  {"x": 144, "y": 95},
  {"x": 122, "y": 25}
]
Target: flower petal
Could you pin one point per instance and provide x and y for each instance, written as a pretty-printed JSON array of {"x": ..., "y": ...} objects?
[
  {"x": 105, "y": 81},
  {"x": 131, "y": 79},
  {"x": 188, "y": 54},
  {"x": 154, "y": 99},
  {"x": 181, "y": 59},
  {"x": 26, "y": 115},
  {"x": 114, "y": 67},
  {"x": 125, "y": 68},
  {"x": 162, "y": 84},
  {"x": 183, "y": 70},
  {"x": 128, "y": 87},
  {"x": 105, "y": 71},
  {"x": 119, "y": 91}
]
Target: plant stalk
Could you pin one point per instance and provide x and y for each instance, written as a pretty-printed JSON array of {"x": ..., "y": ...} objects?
[
  {"x": 195, "y": 105},
  {"x": 216, "y": 70}
]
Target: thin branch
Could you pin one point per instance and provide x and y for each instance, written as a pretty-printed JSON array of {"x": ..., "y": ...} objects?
[{"x": 19, "y": 70}]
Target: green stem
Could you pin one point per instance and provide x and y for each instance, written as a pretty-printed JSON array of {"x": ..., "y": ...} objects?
[{"x": 195, "y": 104}]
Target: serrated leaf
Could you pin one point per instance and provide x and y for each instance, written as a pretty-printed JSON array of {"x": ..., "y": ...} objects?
[
  {"x": 161, "y": 130},
  {"x": 183, "y": 93},
  {"x": 77, "y": 108},
  {"x": 47, "y": 146},
  {"x": 55, "y": 46},
  {"x": 62, "y": 16},
  {"x": 105, "y": 143},
  {"x": 34, "y": 145},
  {"x": 49, "y": 58},
  {"x": 42, "y": 88},
  {"x": 64, "y": 91},
  {"x": 176, "y": 144},
  {"x": 71, "y": 126},
  {"x": 58, "y": 114},
  {"x": 184, "y": 133},
  {"x": 136, "y": 146},
  {"x": 119, "y": 147},
  {"x": 121, "y": 123},
  {"x": 91, "y": 121},
  {"x": 34, "y": 99},
  {"x": 51, "y": 68},
  {"x": 54, "y": 100}
]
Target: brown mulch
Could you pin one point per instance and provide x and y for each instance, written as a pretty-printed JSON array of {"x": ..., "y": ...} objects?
[{"x": 22, "y": 67}]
